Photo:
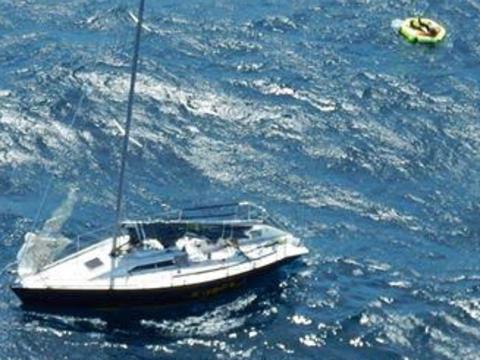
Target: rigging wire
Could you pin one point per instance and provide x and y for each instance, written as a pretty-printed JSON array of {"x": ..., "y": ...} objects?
[
  {"x": 50, "y": 180},
  {"x": 85, "y": 91}
]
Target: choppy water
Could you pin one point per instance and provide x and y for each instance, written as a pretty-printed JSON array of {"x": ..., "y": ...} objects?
[{"x": 368, "y": 147}]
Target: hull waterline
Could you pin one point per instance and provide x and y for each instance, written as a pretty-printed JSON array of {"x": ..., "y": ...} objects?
[{"x": 62, "y": 298}]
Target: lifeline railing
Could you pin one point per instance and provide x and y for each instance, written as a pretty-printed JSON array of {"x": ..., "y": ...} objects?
[
  {"x": 92, "y": 235},
  {"x": 237, "y": 211},
  {"x": 226, "y": 213}
]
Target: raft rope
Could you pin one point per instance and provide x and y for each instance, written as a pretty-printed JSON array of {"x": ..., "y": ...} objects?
[{"x": 7, "y": 267}]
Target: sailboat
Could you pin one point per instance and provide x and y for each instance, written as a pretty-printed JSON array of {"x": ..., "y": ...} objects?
[{"x": 182, "y": 256}]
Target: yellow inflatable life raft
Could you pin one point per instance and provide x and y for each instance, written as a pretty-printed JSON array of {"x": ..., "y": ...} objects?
[{"x": 422, "y": 30}]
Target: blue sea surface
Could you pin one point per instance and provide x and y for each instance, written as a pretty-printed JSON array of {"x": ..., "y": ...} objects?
[{"x": 366, "y": 146}]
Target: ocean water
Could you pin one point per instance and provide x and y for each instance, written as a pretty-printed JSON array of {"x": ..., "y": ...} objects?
[{"x": 366, "y": 146}]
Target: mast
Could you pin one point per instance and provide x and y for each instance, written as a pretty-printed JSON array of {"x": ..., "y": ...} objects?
[{"x": 126, "y": 138}]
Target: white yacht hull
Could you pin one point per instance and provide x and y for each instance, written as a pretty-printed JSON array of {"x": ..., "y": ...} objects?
[
  {"x": 108, "y": 298},
  {"x": 138, "y": 277}
]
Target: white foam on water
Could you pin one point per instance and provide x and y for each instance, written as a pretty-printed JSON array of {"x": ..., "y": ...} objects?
[
  {"x": 300, "y": 320},
  {"x": 222, "y": 319},
  {"x": 396, "y": 24},
  {"x": 312, "y": 340}
]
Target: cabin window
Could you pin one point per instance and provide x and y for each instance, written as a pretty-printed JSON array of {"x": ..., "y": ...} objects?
[
  {"x": 152, "y": 266},
  {"x": 94, "y": 263},
  {"x": 255, "y": 233}
]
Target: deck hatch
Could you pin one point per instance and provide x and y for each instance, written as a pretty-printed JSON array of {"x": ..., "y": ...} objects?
[{"x": 94, "y": 263}]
